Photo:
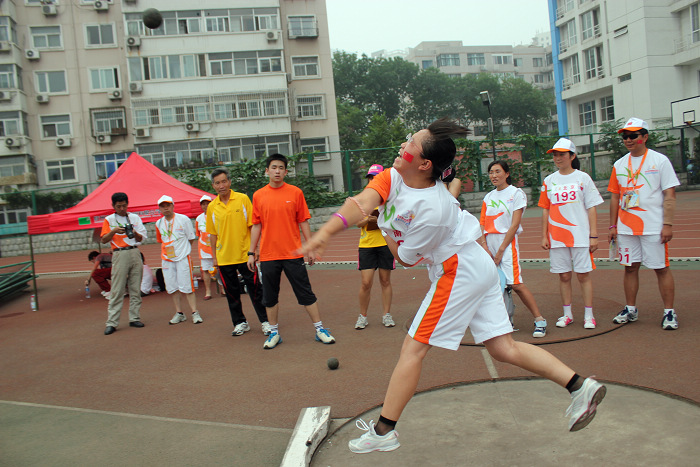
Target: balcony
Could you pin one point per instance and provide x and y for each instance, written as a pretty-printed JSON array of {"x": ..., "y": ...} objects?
[
  {"x": 686, "y": 42},
  {"x": 307, "y": 29}
]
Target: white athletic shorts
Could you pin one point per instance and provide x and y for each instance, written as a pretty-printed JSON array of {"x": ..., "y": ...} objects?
[
  {"x": 178, "y": 275},
  {"x": 561, "y": 259},
  {"x": 465, "y": 292},
  {"x": 645, "y": 249},
  {"x": 510, "y": 263},
  {"x": 207, "y": 264}
]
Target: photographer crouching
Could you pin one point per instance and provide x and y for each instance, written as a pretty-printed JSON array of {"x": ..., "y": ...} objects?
[{"x": 124, "y": 232}]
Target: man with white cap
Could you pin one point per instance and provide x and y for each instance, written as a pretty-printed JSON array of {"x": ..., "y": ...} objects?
[
  {"x": 205, "y": 255},
  {"x": 176, "y": 234},
  {"x": 642, "y": 206}
]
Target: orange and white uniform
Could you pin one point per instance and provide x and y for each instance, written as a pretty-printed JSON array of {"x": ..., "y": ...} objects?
[
  {"x": 121, "y": 240},
  {"x": 175, "y": 236},
  {"x": 431, "y": 229},
  {"x": 204, "y": 243},
  {"x": 496, "y": 218}
]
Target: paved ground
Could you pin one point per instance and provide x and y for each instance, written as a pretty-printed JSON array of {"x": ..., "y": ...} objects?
[{"x": 186, "y": 394}]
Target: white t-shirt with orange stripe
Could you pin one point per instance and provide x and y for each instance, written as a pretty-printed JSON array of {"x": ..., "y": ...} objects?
[
  {"x": 203, "y": 243},
  {"x": 175, "y": 234},
  {"x": 121, "y": 240},
  {"x": 498, "y": 208},
  {"x": 649, "y": 181},
  {"x": 568, "y": 198},
  {"x": 428, "y": 223}
]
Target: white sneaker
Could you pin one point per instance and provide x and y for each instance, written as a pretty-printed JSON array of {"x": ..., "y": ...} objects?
[
  {"x": 584, "y": 402},
  {"x": 371, "y": 441},
  {"x": 589, "y": 323},
  {"x": 564, "y": 321},
  {"x": 540, "y": 328},
  {"x": 361, "y": 322},
  {"x": 196, "y": 318},
  {"x": 272, "y": 341},
  {"x": 670, "y": 321},
  {"x": 266, "y": 328},
  {"x": 240, "y": 329},
  {"x": 178, "y": 318},
  {"x": 388, "y": 321},
  {"x": 107, "y": 295},
  {"x": 323, "y": 335},
  {"x": 103, "y": 293}
]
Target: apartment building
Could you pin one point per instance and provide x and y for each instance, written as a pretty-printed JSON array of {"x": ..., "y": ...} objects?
[
  {"x": 623, "y": 58},
  {"x": 83, "y": 83}
]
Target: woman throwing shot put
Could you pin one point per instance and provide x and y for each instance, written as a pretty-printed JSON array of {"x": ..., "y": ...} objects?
[{"x": 424, "y": 225}]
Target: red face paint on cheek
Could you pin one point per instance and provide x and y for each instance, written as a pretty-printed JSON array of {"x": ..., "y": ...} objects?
[
  {"x": 639, "y": 141},
  {"x": 407, "y": 156}
]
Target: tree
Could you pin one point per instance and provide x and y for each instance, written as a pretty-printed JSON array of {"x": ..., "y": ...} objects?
[
  {"x": 352, "y": 124},
  {"x": 382, "y": 133},
  {"x": 523, "y": 106},
  {"x": 432, "y": 95}
]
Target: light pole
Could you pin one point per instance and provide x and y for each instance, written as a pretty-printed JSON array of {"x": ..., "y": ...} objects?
[{"x": 486, "y": 100}]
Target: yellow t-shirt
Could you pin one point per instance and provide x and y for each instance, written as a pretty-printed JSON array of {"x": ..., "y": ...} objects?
[
  {"x": 371, "y": 238},
  {"x": 231, "y": 223}
]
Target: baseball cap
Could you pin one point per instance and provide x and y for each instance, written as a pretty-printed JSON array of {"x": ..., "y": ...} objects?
[
  {"x": 634, "y": 124},
  {"x": 563, "y": 145},
  {"x": 204, "y": 198},
  {"x": 165, "y": 199},
  {"x": 376, "y": 169}
]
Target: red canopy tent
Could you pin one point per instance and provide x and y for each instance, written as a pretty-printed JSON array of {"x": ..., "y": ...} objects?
[{"x": 142, "y": 181}]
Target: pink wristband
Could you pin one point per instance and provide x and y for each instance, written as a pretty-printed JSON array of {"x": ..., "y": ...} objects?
[{"x": 345, "y": 222}]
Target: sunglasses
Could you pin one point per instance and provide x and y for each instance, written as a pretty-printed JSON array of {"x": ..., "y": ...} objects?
[
  {"x": 630, "y": 135},
  {"x": 409, "y": 140}
]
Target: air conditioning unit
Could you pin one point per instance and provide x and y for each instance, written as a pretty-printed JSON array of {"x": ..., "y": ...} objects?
[
  {"x": 136, "y": 87},
  {"x": 32, "y": 54},
  {"x": 272, "y": 35},
  {"x": 49, "y": 10},
  {"x": 63, "y": 142},
  {"x": 115, "y": 95},
  {"x": 5, "y": 96},
  {"x": 133, "y": 41},
  {"x": 5, "y": 46},
  {"x": 104, "y": 139},
  {"x": 143, "y": 132},
  {"x": 14, "y": 141},
  {"x": 192, "y": 127},
  {"x": 42, "y": 98},
  {"x": 101, "y": 5}
]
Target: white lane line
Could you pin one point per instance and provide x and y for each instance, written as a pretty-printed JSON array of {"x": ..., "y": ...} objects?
[
  {"x": 150, "y": 417},
  {"x": 489, "y": 363}
]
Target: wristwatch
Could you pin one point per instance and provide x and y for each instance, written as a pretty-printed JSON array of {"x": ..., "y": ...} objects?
[{"x": 251, "y": 253}]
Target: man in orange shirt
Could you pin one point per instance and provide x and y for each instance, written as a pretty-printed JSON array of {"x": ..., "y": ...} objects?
[{"x": 279, "y": 211}]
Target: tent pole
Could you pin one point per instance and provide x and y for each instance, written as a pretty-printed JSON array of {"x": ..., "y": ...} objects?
[{"x": 31, "y": 253}]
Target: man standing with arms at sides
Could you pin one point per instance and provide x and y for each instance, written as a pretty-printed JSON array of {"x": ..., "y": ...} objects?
[
  {"x": 279, "y": 211},
  {"x": 175, "y": 233},
  {"x": 206, "y": 260},
  {"x": 229, "y": 219},
  {"x": 124, "y": 232},
  {"x": 642, "y": 205}
]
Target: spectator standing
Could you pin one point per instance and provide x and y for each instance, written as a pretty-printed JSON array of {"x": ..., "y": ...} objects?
[{"x": 206, "y": 259}]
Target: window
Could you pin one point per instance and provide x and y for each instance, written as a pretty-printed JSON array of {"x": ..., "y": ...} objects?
[
  {"x": 625, "y": 77},
  {"x": 575, "y": 69},
  {"x": 12, "y": 166},
  {"x": 518, "y": 62},
  {"x": 425, "y": 64},
  {"x": 568, "y": 34},
  {"x": 217, "y": 21},
  {"x": 269, "y": 64},
  {"x": 7, "y": 76},
  {"x": 12, "y": 216},
  {"x": 51, "y": 82},
  {"x": 55, "y": 125},
  {"x": 538, "y": 62},
  {"x": 502, "y": 59},
  {"x": 104, "y": 78},
  {"x": 100, "y": 35},
  {"x": 177, "y": 154},
  {"x": 539, "y": 79},
  {"x": 586, "y": 115},
  {"x": 108, "y": 122},
  {"x": 309, "y": 107},
  {"x": 221, "y": 64},
  {"x": 589, "y": 24},
  {"x": 166, "y": 67},
  {"x": 107, "y": 164},
  {"x": 302, "y": 26},
  {"x": 10, "y": 124},
  {"x": 592, "y": 62},
  {"x": 48, "y": 37},
  {"x": 448, "y": 60},
  {"x": 476, "y": 59},
  {"x": 63, "y": 170},
  {"x": 607, "y": 109},
  {"x": 315, "y": 145},
  {"x": 695, "y": 22},
  {"x": 239, "y": 149},
  {"x": 8, "y": 29},
  {"x": 305, "y": 67}
]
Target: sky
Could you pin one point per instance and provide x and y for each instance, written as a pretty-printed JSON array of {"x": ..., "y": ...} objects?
[{"x": 365, "y": 26}]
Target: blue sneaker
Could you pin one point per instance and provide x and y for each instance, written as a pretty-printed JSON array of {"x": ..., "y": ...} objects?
[
  {"x": 626, "y": 316},
  {"x": 322, "y": 335},
  {"x": 670, "y": 321},
  {"x": 272, "y": 341}
]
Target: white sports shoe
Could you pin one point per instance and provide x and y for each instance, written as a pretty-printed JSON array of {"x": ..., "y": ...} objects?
[
  {"x": 178, "y": 318},
  {"x": 584, "y": 402},
  {"x": 240, "y": 329},
  {"x": 371, "y": 441},
  {"x": 272, "y": 341},
  {"x": 361, "y": 322},
  {"x": 196, "y": 319},
  {"x": 266, "y": 328},
  {"x": 388, "y": 321},
  {"x": 323, "y": 335}
]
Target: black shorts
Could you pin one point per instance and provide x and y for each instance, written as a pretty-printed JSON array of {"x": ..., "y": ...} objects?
[
  {"x": 378, "y": 257},
  {"x": 295, "y": 270}
]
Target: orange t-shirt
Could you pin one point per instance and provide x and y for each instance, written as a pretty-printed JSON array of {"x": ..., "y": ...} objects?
[{"x": 279, "y": 211}]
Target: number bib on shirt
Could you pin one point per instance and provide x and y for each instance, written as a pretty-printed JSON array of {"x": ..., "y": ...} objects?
[{"x": 563, "y": 194}]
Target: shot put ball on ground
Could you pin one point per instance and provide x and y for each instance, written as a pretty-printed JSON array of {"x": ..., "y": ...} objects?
[{"x": 333, "y": 363}]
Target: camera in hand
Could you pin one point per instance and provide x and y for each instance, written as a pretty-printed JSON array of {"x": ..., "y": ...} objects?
[{"x": 129, "y": 229}]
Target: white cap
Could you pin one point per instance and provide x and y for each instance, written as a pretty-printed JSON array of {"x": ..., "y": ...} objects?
[
  {"x": 204, "y": 198},
  {"x": 165, "y": 199},
  {"x": 563, "y": 145},
  {"x": 634, "y": 124}
]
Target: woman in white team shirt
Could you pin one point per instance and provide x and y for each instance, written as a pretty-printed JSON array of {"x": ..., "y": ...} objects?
[
  {"x": 501, "y": 213},
  {"x": 568, "y": 200},
  {"x": 424, "y": 224}
]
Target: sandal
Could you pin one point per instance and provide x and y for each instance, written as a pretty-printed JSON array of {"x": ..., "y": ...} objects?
[{"x": 207, "y": 297}]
